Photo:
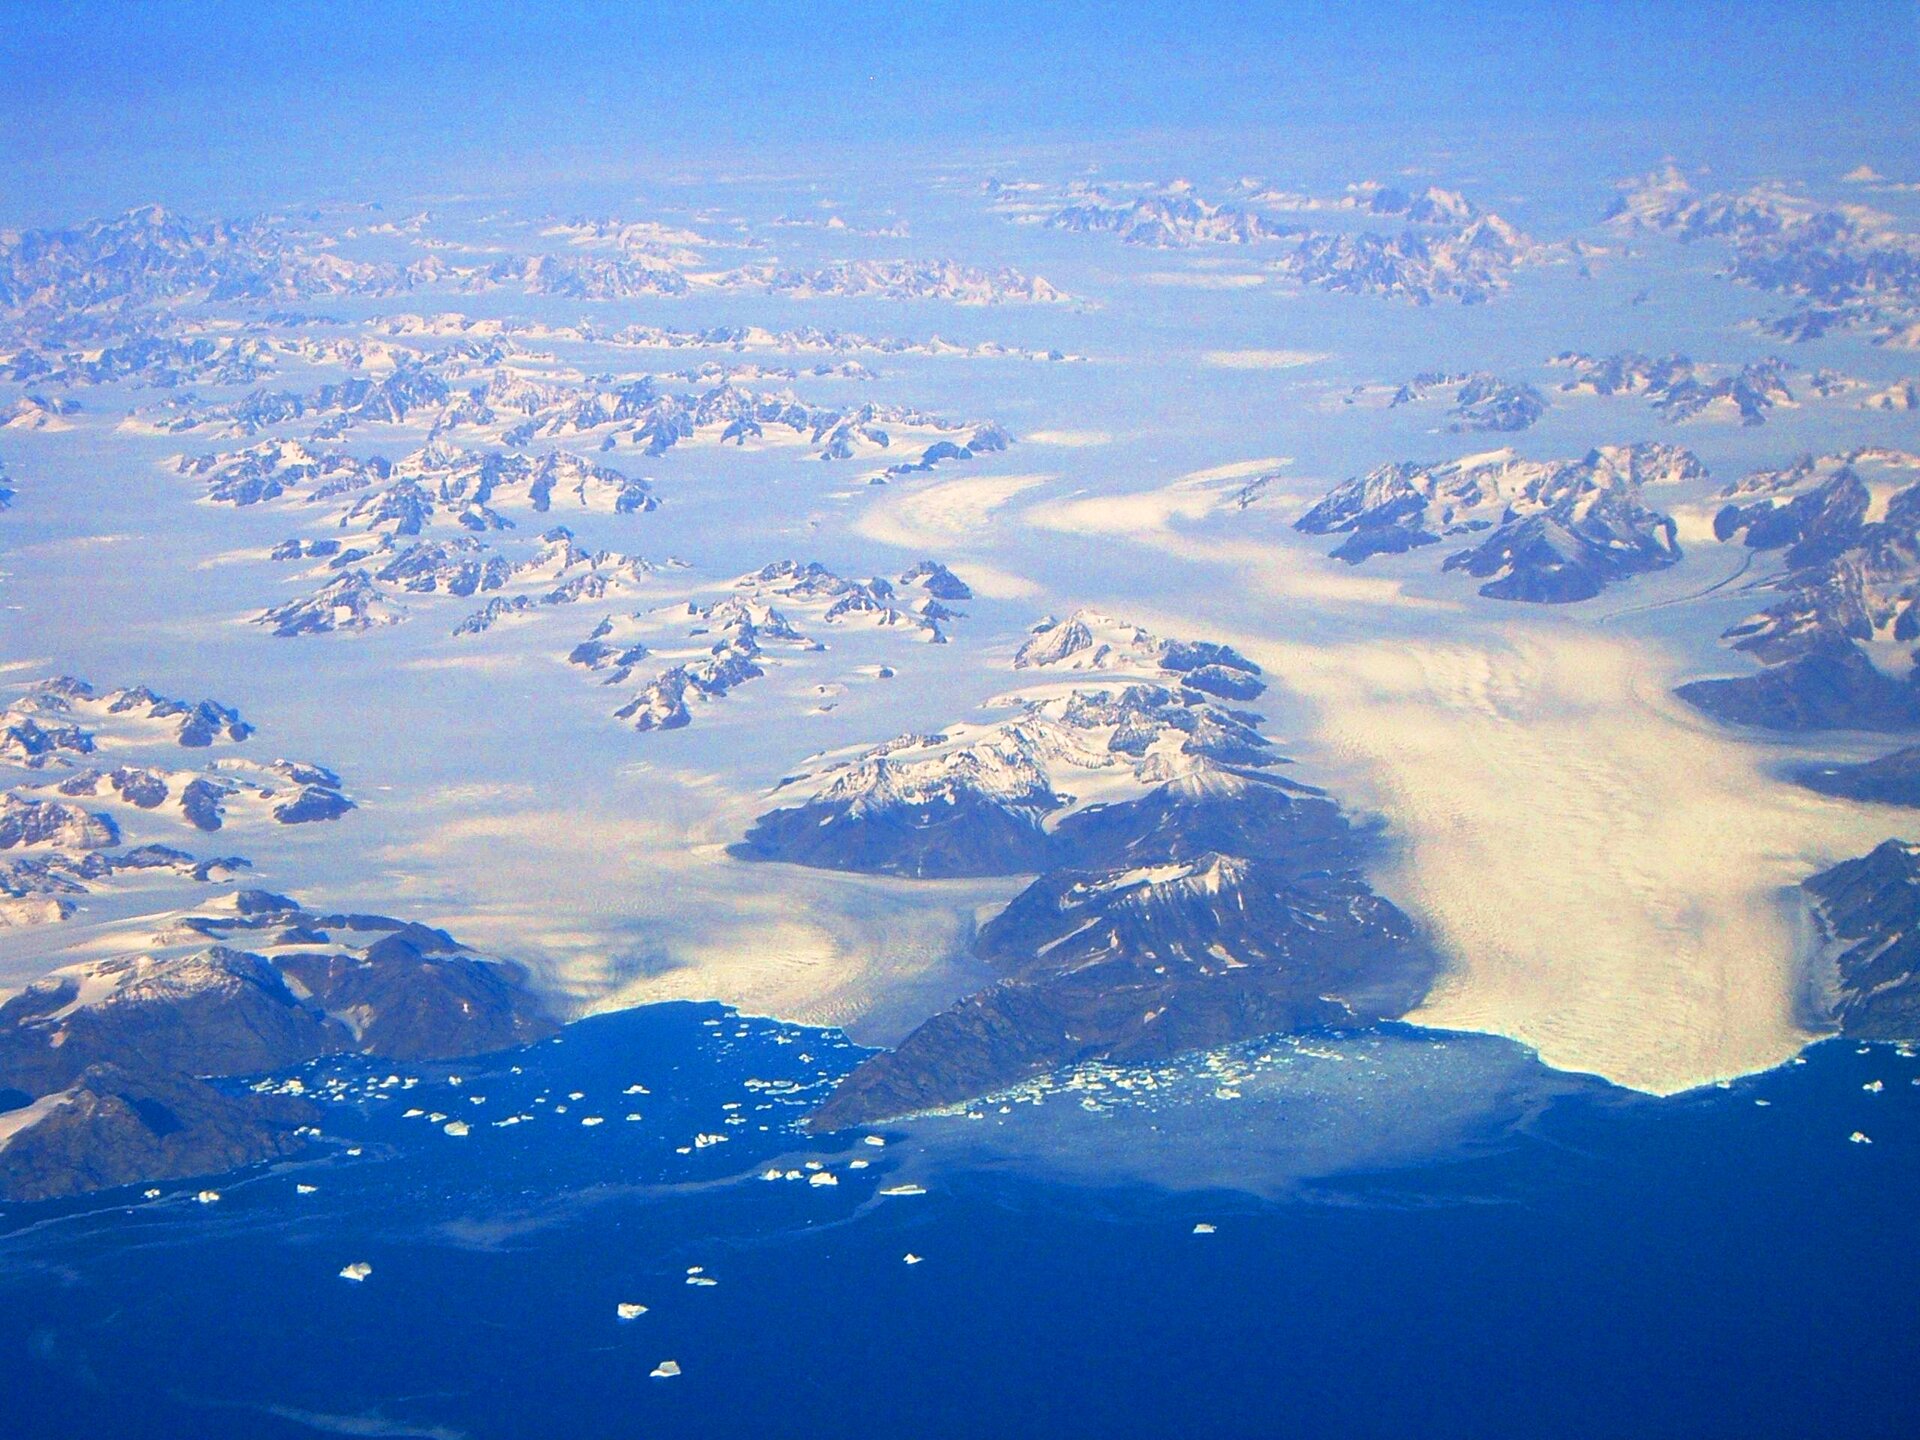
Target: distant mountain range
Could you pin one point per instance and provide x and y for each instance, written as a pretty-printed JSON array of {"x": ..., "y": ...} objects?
[{"x": 1848, "y": 527}]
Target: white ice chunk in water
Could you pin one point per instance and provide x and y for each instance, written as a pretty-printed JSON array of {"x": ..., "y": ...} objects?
[
  {"x": 356, "y": 1272},
  {"x": 627, "y": 1310}
]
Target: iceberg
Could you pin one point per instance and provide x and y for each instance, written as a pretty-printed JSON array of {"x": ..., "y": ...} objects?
[
  {"x": 358, "y": 1271},
  {"x": 627, "y": 1310},
  {"x": 456, "y": 1127},
  {"x": 665, "y": 1370}
]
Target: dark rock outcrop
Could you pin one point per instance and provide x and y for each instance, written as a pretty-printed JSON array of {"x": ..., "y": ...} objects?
[
  {"x": 1870, "y": 911},
  {"x": 1891, "y": 780},
  {"x": 1836, "y": 688},
  {"x": 116, "y": 1127},
  {"x": 114, "y": 1053},
  {"x": 1146, "y": 964}
]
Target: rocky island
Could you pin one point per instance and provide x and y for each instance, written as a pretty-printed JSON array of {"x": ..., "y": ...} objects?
[{"x": 111, "y": 1070}]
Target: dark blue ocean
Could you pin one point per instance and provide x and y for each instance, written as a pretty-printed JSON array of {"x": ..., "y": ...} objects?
[{"x": 1413, "y": 1235}]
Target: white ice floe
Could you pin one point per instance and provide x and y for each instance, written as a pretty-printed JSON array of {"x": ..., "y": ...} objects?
[
  {"x": 356, "y": 1272},
  {"x": 904, "y": 1190},
  {"x": 665, "y": 1370},
  {"x": 592, "y": 1120},
  {"x": 1203, "y": 1228},
  {"x": 305, "y": 1189},
  {"x": 208, "y": 1197},
  {"x": 1859, "y": 1137},
  {"x": 456, "y": 1127},
  {"x": 876, "y": 1141},
  {"x": 823, "y": 1177},
  {"x": 1873, "y": 1087},
  {"x": 911, "y": 1258},
  {"x": 628, "y": 1310}
]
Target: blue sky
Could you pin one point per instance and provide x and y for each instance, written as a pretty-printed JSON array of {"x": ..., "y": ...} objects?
[{"x": 194, "y": 103}]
